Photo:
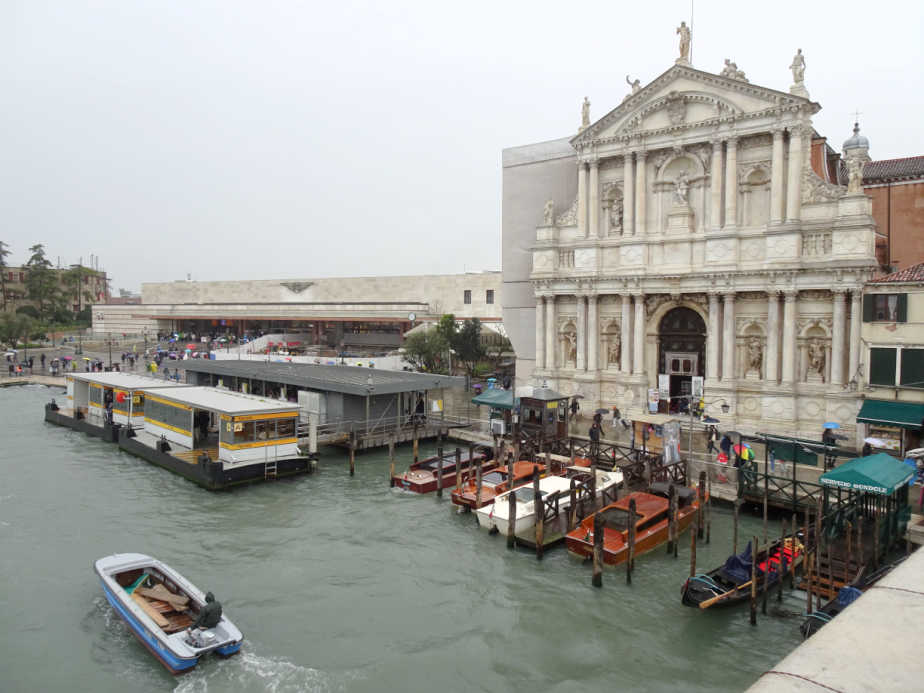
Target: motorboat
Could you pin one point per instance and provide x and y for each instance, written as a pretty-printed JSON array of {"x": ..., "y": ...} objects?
[
  {"x": 496, "y": 516},
  {"x": 492, "y": 483},
  {"x": 423, "y": 476},
  {"x": 652, "y": 515},
  {"x": 159, "y": 605}
]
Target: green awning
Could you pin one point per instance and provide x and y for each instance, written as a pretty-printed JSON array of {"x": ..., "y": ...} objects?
[
  {"x": 891, "y": 413},
  {"x": 878, "y": 473},
  {"x": 497, "y": 399}
]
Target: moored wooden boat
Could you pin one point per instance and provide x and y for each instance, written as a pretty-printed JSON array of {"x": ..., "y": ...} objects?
[
  {"x": 423, "y": 476},
  {"x": 651, "y": 525},
  {"x": 158, "y": 605},
  {"x": 731, "y": 583},
  {"x": 493, "y": 482}
]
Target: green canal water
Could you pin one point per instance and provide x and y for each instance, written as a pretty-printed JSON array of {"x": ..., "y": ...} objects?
[{"x": 338, "y": 584}]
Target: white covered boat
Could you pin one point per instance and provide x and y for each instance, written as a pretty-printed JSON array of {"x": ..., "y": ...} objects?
[
  {"x": 159, "y": 605},
  {"x": 496, "y": 516}
]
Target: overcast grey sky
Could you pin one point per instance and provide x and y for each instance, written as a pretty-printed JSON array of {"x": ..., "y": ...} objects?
[{"x": 268, "y": 139}]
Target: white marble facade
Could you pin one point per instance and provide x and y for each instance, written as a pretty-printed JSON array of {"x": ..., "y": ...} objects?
[{"x": 697, "y": 191}]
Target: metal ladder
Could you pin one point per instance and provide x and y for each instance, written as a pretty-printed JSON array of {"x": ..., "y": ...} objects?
[{"x": 269, "y": 470}]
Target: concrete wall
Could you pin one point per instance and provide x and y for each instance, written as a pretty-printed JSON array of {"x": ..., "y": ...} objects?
[
  {"x": 898, "y": 209},
  {"x": 532, "y": 174},
  {"x": 444, "y": 293}
]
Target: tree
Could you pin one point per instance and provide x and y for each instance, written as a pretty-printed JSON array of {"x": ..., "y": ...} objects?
[
  {"x": 496, "y": 349},
  {"x": 15, "y": 327},
  {"x": 467, "y": 345},
  {"x": 41, "y": 283},
  {"x": 4, "y": 252},
  {"x": 425, "y": 350}
]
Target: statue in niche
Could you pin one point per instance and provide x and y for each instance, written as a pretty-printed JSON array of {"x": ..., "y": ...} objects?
[
  {"x": 816, "y": 358},
  {"x": 855, "y": 178},
  {"x": 634, "y": 84},
  {"x": 614, "y": 351},
  {"x": 681, "y": 189},
  {"x": 570, "y": 347},
  {"x": 684, "y": 32},
  {"x": 549, "y": 213},
  {"x": 755, "y": 355},
  {"x": 616, "y": 216},
  {"x": 798, "y": 67},
  {"x": 585, "y": 113}
]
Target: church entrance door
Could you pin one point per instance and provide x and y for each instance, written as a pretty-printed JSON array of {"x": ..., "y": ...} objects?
[{"x": 681, "y": 352}]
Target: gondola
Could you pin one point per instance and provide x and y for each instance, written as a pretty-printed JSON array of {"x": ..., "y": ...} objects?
[{"x": 731, "y": 583}]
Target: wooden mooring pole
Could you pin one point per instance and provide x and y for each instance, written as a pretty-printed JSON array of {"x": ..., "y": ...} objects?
[
  {"x": 597, "y": 579},
  {"x": 416, "y": 442},
  {"x": 819, "y": 512},
  {"x": 809, "y": 560},
  {"x": 735, "y": 526},
  {"x": 630, "y": 558},
  {"x": 478, "y": 483},
  {"x": 572, "y": 506},
  {"x": 700, "y": 513},
  {"x": 781, "y": 571},
  {"x": 708, "y": 510},
  {"x": 439, "y": 471},
  {"x": 539, "y": 508},
  {"x": 849, "y": 558},
  {"x": 754, "y": 582},
  {"x": 694, "y": 531},
  {"x": 391, "y": 461},
  {"x": 459, "y": 468},
  {"x": 352, "y": 454},
  {"x": 671, "y": 538},
  {"x": 765, "y": 516},
  {"x": 511, "y": 519}
]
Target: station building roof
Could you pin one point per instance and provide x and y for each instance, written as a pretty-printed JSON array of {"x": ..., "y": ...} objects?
[
  {"x": 125, "y": 381},
  {"x": 352, "y": 380},
  {"x": 226, "y": 401}
]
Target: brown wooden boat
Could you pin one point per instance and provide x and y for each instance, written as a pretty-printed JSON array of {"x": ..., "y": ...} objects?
[
  {"x": 423, "y": 476},
  {"x": 651, "y": 524},
  {"x": 493, "y": 483}
]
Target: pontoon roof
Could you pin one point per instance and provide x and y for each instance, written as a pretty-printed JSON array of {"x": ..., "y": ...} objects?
[
  {"x": 126, "y": 381},
  {"x": 226, "y": 401},
  {"x": 352, "y": 380}
]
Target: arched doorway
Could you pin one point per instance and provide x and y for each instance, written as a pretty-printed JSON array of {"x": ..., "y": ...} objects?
[{"x": 681, "y": 349}]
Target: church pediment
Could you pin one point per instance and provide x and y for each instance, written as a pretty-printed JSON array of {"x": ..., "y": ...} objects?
[{"x": 685, "y": 98}]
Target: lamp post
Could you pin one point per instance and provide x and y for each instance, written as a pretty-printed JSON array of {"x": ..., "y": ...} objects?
[
  {"x": 689, "y": 399},
  {"x": 109, "y": 334}
]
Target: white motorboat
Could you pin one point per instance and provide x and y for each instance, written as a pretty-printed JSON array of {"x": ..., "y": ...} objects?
[{"x": 158, "y": 605}]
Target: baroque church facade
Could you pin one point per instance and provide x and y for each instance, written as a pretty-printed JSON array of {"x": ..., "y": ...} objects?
[{"x": 700, "y": 236}]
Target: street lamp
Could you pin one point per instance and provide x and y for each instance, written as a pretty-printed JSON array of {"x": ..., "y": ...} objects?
[{"x": 689, "y": 399}]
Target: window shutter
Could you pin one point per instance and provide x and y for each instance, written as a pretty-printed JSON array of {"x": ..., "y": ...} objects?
[
  {"x": 868, "y": 308},
  {"x": 882, "y": 366},
  {"x": 901, "y": 309}
]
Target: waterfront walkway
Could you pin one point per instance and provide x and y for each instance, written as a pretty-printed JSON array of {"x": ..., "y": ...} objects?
[
  {"x": 34, "y": 380},
  {"x": 872, "y": 646}
]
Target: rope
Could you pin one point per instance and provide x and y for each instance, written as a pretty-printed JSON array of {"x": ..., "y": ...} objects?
[
  {"x": 897, "y": 589},
  {"x": 804, "y": 678}
]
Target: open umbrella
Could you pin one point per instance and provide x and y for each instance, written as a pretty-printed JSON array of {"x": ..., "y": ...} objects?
[
  {"x": 710, "y": 420},
  {"x": 744, "y": 452},
  {"x": 830, "y": 424},
  {"x": 602, "y": 411}
]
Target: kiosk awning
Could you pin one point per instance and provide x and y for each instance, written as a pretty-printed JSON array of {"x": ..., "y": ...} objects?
[
  {"x": 498, "y": 399},
  {"x": 878, "y": 473},
  {"x": 890, "y": 413}
]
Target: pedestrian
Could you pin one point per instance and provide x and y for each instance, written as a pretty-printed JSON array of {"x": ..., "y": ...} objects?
[
  {"x": 712, "y": 438},
  {"x": 42, "y": 359},
  {"x": 166, "y": 373},
  {"x": 867, "y": 450},
  {"x": 11, "y": 367},
  {"x": 574, "y": 407},
  {"x": 726, "y": 445}
]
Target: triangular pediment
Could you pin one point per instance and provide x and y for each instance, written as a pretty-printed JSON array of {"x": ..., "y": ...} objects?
[{"x": 684, "y": 98}]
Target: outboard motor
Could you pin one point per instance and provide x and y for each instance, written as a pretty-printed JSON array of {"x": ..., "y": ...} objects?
[{"x": 201, "y": 638}]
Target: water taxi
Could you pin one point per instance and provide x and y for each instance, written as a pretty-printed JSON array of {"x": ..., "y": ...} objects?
[
  {"x": 492, "y": 483},
  {"x": 423, "y": 476}
]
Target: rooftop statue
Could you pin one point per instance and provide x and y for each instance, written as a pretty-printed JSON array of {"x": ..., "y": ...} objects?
[
  {"x": 798, "y": 67},
  {"x": 585, "y": 113},
  {"x": 684, "y": 32},
  {"x": 636, "y": 84}
]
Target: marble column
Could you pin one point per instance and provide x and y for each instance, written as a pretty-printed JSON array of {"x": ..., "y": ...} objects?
[
  {"x": 713, "y": 339},
  {"x": 582, "y": 200},
  {"x": 794, "y": 180},
  {"x": 728, "y": 338},
  {"x": 593, "y": 333},
  {"x": 776, "y": 178},
  {"x": 789, "y": 337},
  {"x": 856, "y": 316},
  {"x": 715, "y": 182},
  {"x": 551, "y": 328},
  {"x": 628, "y": 190},
  {"x": 838, "y": 333},
  {"x": 731, "y": 183},
  {"x": 581, "y": 363},
  {"x": 638, "y": 348},
  {"x": 593, "y": 217},
  {"x": 772, "y": 357},
  {"x": 625, "y": 362},
  {"x": 540, "y": 332},
  {"x": 641, "y": 198},
  {"x": 605, "y": 233}
]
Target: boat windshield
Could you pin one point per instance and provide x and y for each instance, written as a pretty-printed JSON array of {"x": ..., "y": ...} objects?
[
  {"x": 435, "y": 464},
  {"x": 525, "y": 494},
  {"x": 616, "y": 518},
  {"x": 493, "y": 478}
]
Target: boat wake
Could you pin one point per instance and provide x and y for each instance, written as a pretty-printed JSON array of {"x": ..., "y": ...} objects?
[{"x": 249, "y": 671}]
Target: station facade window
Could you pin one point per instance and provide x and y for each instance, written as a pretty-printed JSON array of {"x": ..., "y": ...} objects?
[
  {"x": 489, "y": 296},
  {"x": 467, "y": 297}
]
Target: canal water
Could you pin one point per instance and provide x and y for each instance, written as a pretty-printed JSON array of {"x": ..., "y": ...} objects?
[{"x": 338, "y": 584}]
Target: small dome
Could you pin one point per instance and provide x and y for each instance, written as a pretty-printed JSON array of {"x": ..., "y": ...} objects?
[{"x": 858, "y": 141}]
